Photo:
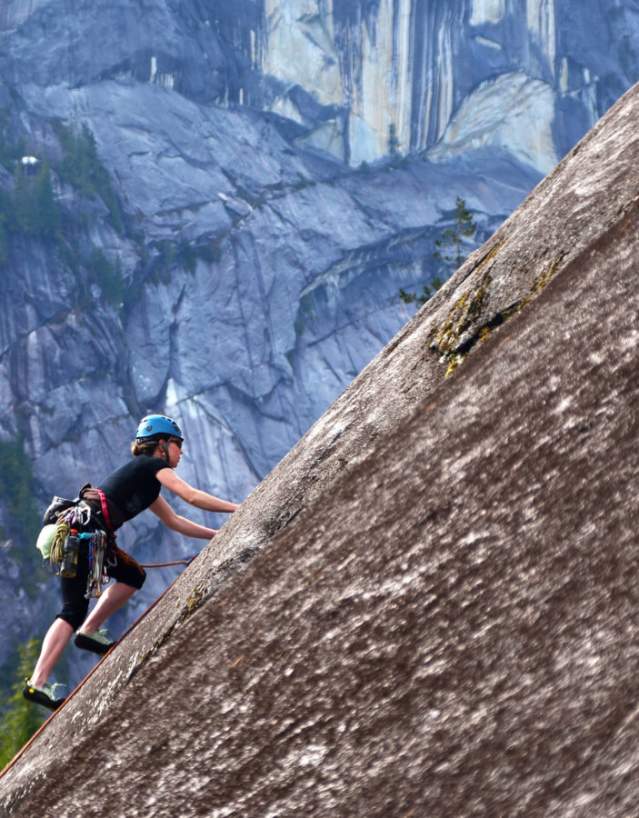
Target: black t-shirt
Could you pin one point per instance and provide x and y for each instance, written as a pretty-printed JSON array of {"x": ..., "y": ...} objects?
[{"x": 133, "y": 487}]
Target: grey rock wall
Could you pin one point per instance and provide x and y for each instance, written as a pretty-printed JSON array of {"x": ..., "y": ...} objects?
[
  {"x": 227, "y": 129},
  {"x": 294, "y": 288},
  {"x": 347, "y": 73},
  {"x": 428, "y": 607}
]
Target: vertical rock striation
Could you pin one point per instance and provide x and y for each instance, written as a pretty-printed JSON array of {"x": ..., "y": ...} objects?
[{"x": 409, "y": 70}]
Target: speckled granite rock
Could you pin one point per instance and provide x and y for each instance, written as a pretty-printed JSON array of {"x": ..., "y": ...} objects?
[
  {"x": 429, "y": 607},
  {"x": 262, "y": 257}
]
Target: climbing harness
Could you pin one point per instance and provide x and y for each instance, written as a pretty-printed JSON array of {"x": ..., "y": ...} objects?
[
  {"x": 62, "y": 537},
  {"x": 73, "y": 525}
]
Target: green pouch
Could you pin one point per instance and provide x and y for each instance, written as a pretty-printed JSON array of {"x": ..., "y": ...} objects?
[{"x": 45, "y": 540}]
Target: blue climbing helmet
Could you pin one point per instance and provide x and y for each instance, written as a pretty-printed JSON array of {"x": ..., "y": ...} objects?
[{"x": 154, "y": 427}]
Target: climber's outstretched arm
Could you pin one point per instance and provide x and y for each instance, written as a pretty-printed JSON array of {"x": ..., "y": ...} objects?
[
  {"x": 180, "y": 524},
  {"x": 193, "y": 496}
]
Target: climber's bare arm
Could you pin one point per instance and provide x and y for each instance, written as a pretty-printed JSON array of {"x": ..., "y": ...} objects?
[
  {"x": 180, "y": 524},
  {"x": 193, "y": 496}
]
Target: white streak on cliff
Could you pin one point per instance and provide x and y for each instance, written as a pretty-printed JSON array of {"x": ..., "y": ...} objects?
[
  {"x": 564, "y": 76},
  {"x": 393, "y": 71},
  {"x": 15, "y": 12},
  {"x": 489, "y": 43},
  {"x": 487, "y": 11},
  {"x": 422, "y": 116},
  {"x": 299, "y": 48},
  {"x": 403, "y": 74},
  {"x": 541, "y": 20},
  {"x": 382, "y": 99},
  {"x": 446, "y": 87}
]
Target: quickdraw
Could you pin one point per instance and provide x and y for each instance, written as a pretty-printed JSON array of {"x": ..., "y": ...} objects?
[{"x": 98, "y": 543}]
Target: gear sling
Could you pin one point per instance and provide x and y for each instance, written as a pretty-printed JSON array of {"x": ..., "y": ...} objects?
[{"x": 79, "y": 541}]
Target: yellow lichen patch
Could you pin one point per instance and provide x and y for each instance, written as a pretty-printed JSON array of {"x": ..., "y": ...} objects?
[
  {"x": 543, "y": 279},
  {"x": 236, "y": 663},
  {"x": 540, "y": 282},
  {"x": 448, "y": 330},
  {"x": 462, "y": 314},
  {"x": 448, "y": 337},
  {"x": 466, "y": 307},
  {"x": 193, "y": 601},
  {"x": 453, "y": 362}
]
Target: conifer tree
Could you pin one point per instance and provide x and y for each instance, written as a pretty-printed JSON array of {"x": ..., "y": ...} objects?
[
  {"x": 393, "y": 141},
  {"x": 35, "y": 210},
  {"x": 23, "y": 214},
  {"x": 449, "y": 247},
  {"x": 449, "y": 253},
  {"x": 47, "y": 214},
  {"x": 3, "y": 239},
  {"x": 20, "y": 719}
]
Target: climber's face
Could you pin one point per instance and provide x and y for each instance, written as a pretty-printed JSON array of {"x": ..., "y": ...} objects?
[{"x": 174, "y": 451}]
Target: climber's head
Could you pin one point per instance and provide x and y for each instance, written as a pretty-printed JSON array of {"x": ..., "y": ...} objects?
[{"x": 154, "y": 437}]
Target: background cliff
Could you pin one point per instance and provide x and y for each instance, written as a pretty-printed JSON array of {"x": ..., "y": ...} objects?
[
  {"x": 429, "y": 607},
  {"x": 226, "y": 201}
]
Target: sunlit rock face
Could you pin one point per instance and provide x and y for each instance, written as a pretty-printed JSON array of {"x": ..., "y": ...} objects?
[
  {"x": 356, "y": 75},
  {"x": 409, "y": 70},
  {"x": 514, "y": 113}
]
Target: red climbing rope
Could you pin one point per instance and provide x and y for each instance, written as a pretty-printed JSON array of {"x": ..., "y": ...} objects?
[{"x": 186, "y": 561}]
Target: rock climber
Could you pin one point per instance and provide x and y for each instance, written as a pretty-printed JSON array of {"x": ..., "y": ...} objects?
[{"x": 129, "y": 490}]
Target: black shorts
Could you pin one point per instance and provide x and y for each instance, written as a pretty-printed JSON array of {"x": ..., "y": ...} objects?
[{"x": 74, "y": 604}]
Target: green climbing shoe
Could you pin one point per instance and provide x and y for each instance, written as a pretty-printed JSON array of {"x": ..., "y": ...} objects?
[
  {"x": 44, "y": 695},
  {"x": 97, "y": 642}
]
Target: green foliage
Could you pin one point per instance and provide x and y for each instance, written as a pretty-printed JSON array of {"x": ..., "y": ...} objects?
[
  {"x": 187, "y": 256},
  {"x": 82, "y": 169},
  {"x": 211, "y": 252},
  {"x": 177, "y": 254},
  {"x": 20, "y": 719},
  {"x": 428, "y": 290},
  {"x": 108, "y": 276},
  {"x": 29, "y": 210},
  {"x": 4, "y": 247},
  {"x": 16, "y": 492},
  {"x": 449, "y": 246},
  {"x": 449, "y": 253},
  {"x": 164, "y": 261},
  {"x": 23, "y": 524},
  {"x": 10, "y": 149},
  {"x": 35, "y": 211},
  {"x": 393, "y": 141}
]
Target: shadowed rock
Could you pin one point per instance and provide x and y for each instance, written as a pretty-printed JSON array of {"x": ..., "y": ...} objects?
[{"x": 429, "y": 607}]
